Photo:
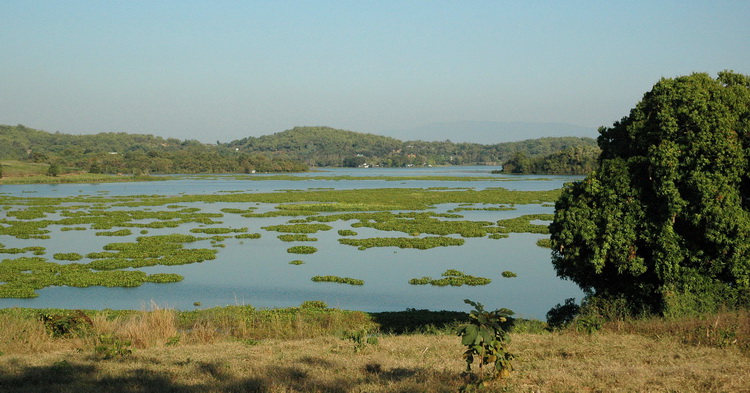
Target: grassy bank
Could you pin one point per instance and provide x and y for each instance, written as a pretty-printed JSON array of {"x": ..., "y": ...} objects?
[
  {"x": 314, "y": 349},
  {"x": 19, "y": 172}
]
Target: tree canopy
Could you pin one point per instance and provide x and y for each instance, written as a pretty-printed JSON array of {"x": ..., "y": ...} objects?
[{"x": 664, "y": 222}]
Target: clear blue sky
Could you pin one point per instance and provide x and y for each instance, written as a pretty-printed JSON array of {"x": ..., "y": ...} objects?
[{"x": 224, "y": 70}]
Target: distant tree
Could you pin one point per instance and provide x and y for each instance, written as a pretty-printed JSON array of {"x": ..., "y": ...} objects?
[
  {"x": 53, "y": 170},
  {"x": 520, "y": 163},
  {"x": 664, "y": 223},
  {"x": 353, "y": 162}
]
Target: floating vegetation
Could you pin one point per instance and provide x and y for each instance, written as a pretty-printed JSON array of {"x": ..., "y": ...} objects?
[
  {"x": 280, "y": 213},
  {"x": 297, "y": 262},
  {"x": 302, "y": 250},
  {"x": 21, "y": 277},
  {"x": 25, "y": 229},
  {"x": 299, "y": 237},
  {"x": 70, "y": 256},
  {"x": 523, "y": 224},
  {"x": 340, "y": 280},
  {"x": 238, "y": 211},
  {"x": 32, "y": 213},
  {"x": 121, "y": 232},
  {"x": 36, "y": 250},
  {"x": 218, "y": 231},
  {"x": 453, "y": 278},
  {"x": 494, "y": 208},
  {"x": 248, "y": 236},
  {"x": 544, "y": 243},
  {"x": 150, "y": 251},
  {"x": 163, "y": 278},
  {"x": 299, "y": 228},
  {"x": 403, "y": 242},
  {"x": 508, "y": 274},
  {"x": 28, "y": 217},
  {"x": 416, "y": 223}
]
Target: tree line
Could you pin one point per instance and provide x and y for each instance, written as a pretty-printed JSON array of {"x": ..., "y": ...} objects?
[
  {"x": 134, "y": 154},
  {"x": 325, "y": 146},
  {"x": 292, "y": 150}
]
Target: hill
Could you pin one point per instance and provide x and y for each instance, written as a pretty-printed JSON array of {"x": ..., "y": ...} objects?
[
  {"x": 490, "y": 132},
  {"x": 131, "y": 153},
  {"x": 325, "y": 146},
  {"x": 288, "y": 151}
]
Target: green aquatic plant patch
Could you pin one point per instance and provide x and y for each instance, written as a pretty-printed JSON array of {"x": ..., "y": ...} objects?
[
  {"x": 347, "y": 232},
  {"x": 121, "y": 232},
  {"x": 302, "y": 250},
  {"x": 248, "y": 236},
  {"x": 298, "y": 228},
  {"x": 22, "y": 277},
  {"x": 218, "y": 231},
  {"x": 340, "y": 280},
  {"x": 418, "y": 223},
  {"x": 36, "y": 250},
  {"x": 69, "y": 256},
  {"x": 523, "y": 224},
  {"x": 299, "y": 237},
  {"x": 453, "y": 278},
  {"x": 403, "y": 242},
  {"x": 544, "y": 243}
]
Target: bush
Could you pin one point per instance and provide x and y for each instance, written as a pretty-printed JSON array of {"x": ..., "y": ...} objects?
[{"x": 562, "y": 315}]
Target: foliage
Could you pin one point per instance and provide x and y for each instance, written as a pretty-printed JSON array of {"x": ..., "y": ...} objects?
[
  {"x": 66, "y": 323},
  {"x": 486, "y": 339},
  {"x": 109, "y": 346},
  {"x": 361, "y": 338},
  {"x": 562, "y": 315},
  {"x": 576, "y": 160},
  {"x": 508, "y": 274},
  {"x": 53, "y": 170},
  {"x": 133, "y": 154},
  {"x": 314, "y": 305},
  {"x": 664, "y": 221},
  {"x": 325, "y": 146}
]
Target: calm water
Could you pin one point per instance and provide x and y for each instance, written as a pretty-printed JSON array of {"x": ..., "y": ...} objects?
[{"x": 257, "y": 272}]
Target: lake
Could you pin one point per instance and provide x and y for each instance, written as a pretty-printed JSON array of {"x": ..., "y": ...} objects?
[{"x": 257, "y": 271}]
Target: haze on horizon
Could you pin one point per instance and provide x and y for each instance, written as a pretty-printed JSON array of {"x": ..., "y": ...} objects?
[{"x": 227, "y": 70}]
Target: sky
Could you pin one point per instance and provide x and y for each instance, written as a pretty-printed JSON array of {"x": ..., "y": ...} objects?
[{"x": 225, "y": 70}]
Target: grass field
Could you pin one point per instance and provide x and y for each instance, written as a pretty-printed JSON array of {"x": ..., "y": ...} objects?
[{"x": 239, "y": 349}]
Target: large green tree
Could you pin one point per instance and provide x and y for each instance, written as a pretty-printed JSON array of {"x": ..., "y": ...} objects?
[{"x": 664, "y": 222}]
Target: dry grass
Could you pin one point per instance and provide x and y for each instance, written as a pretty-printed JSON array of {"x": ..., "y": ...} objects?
[
  {"x": 547, "y": 363},
  {"x": 642, "y": 356}
]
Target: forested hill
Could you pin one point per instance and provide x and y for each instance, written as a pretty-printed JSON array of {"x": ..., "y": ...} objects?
[
  {"x": 325, "y": 146},
  {"x": 290, "y": 151},
  {"x": 132, "y": 154},
  {"x": 321, "y": 146}
]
